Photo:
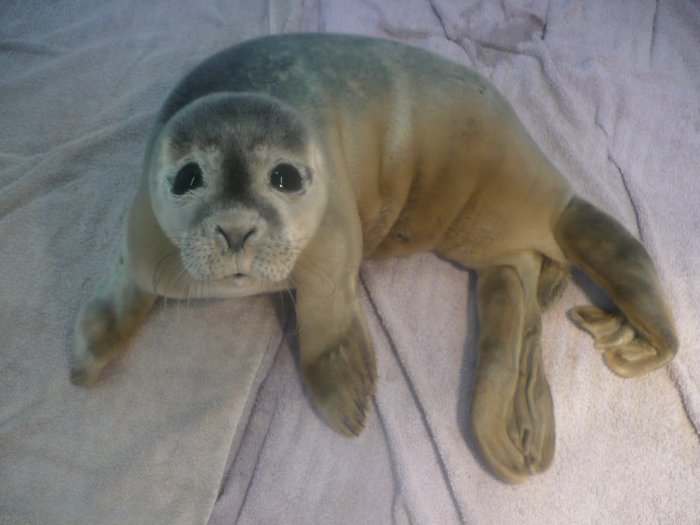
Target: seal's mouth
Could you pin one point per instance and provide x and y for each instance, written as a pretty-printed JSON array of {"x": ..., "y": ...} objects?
[{"x": 237, "y": 279}]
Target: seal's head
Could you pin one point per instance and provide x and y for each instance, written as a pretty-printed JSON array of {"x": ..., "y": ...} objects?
[{"x": 236, "y": 184}]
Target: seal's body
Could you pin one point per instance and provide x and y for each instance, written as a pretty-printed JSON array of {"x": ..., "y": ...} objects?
[{"x": 283, "y": 161}]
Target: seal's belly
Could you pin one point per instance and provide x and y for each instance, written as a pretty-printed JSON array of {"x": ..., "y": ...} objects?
[
  {"x": 477, "y": 204},
  {"x": 480, "y": 236},
  {"x": 477, "y": 234}
]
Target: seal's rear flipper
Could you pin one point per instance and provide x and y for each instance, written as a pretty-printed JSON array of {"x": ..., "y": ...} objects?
[
  {"x": 640, "y": 337},
  {"x": 512, "y": 416}
]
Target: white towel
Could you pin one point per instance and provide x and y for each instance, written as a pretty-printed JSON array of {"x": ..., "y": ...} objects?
[{"x": 178, "y": 433}]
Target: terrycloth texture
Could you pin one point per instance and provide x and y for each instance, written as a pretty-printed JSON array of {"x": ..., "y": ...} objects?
[{"x": 610, "y": 90}]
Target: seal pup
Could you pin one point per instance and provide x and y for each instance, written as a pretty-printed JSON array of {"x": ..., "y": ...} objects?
[{"x": 283, "y": 161}]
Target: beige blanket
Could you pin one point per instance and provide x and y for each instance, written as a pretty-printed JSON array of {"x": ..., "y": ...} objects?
[{"x": 180, "y": 431}]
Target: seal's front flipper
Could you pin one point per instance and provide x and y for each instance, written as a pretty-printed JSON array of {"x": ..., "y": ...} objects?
[
  {"x": 337, "y": 357},
  {"x": 106, "y": 322},
  {"x": 512, "y": 415},
  {"x": 335, "y": 349},
  {"x": 640, "y": 337},
  {"x": 341, "y": 379}
]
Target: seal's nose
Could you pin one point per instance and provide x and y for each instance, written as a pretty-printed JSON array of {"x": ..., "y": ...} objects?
[{"x": 235, "y": 240}]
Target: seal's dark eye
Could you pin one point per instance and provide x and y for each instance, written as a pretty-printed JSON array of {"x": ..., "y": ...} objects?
[
  {"x": 187, "y": 179},
  {"x": 286, "y": 178}
]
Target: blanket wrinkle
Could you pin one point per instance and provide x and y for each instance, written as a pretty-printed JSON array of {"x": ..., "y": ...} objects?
[
  {"x": 283, "y": 16},
  {"x": 628, "y": 191},
  {"x": 256, "y": 422},
  {"x": 45, "y": 173},
  {"x": 652, "y": 36},
  {"x": 688, "y": 391},
  {"x": 396, "y": 494},
  {"x": 26, "y": 47},
  {"x": 414, "y": 395},
  {"x": 511, "y": 37},
  {"x": 436, "y": 11},
  {"x": 224, "y": 432},
  {"x": 321, "y": 17},
  {"x": 256, "y": 464}
]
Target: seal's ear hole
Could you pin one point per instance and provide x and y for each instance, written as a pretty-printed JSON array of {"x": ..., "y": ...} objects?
[
  {"x": 286, "y": 178},
  {"x": 187, "y": 179}
]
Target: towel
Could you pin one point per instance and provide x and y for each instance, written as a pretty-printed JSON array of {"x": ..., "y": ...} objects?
[{"x": 204, "y": 419}]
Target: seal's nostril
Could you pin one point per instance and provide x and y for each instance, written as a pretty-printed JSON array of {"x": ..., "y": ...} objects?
[
  {"x": 221, "y": 231},
  {"x": 233, "y": 241},
  {"x": 244, "y": 238},
  {"x": 248, "y": 236}
]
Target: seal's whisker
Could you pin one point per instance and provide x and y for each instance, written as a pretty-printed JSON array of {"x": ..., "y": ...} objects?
[
  {"x": 160, "y": 268},
  {"x": 290, "y": 291},
  {"x": 313, "y": 269},
  {"x": 175, "y": 281}
]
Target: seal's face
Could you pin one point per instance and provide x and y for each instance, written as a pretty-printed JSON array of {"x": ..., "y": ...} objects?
[{"x": 237, "y": 187}]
